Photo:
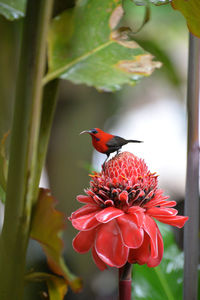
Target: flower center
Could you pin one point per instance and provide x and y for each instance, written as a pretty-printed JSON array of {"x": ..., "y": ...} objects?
[
  {"x": 122, "y": 197},
  {"x": 123, "y": 182}
]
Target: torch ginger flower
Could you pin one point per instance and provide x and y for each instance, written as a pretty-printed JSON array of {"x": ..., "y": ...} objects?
[{"x": 117, "y": 220}]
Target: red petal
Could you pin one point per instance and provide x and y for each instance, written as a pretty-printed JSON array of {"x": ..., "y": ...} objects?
[
  {"x": 135, "y": 209},
  {"x": 160, "y": 202},
  {"x": 84, "y": 210},
  {"x": 161, "y": 212},
  {"x": 98, "y": 200},
  {"x": 159, "y": 196},
  {"x": 139, "y": 218},
  {"x": 85, "y": 199},
  {"x": 178, "y": 221},
  {"x": 100, "y": 264},
  {"x": 109, "y": 213},
  {"x": 154, "y": 262},
  {"x": 109, "y": 245},
  {"x": 142, "y": 254},
  {"x": 151, "y": 229},
  {"x": 168, "y": 203},
  {"x": 84, "y": 240},
  {"x": 137, "y": 213},
  {"x": 85, "y": 222},
  {"x": 131, "y": 234},
  {"x": 89, "y": 192}
]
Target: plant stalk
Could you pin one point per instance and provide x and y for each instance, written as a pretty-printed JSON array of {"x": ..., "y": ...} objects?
[
  {"x": 48, "y": 110},
  {"x": 125, "y": 281},
  {"x": 23, "y": 150},
  {"x": 191, "y": 229}
]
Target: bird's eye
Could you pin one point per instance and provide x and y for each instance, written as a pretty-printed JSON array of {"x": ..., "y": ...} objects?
[{"x": 94, "y": 131}]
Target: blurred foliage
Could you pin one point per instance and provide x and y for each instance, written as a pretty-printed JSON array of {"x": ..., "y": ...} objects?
[
  {"x": 191, "y": 12},
  {"x": 47, "y": 225},
  {"x": 164, "y": 281},
  {"x": 12, "y": 10},
  {"x": 159, "y": 26},
  {"x": 15, "y": 9},
  {"x": 57, "y": 287},
  {"x": 189, "y": 9}
]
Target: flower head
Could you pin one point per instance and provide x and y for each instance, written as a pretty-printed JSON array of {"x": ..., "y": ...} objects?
[{"x": 117, "y": 220}]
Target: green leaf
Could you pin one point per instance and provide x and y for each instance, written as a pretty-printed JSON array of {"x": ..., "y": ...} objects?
[
  {"x": 3, "y": 168},
  {"x": 164, "y": 281},
  {"x": 84, "y": 46},
  {"x": 12, "y": 9},
  {"x": 191, "y": 12},
  {"x": 56, "y": 285},
  {"x": 47, "y": 226}
]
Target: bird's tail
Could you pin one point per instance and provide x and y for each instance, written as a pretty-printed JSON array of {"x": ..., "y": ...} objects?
[{"x": 134, "y": 141}]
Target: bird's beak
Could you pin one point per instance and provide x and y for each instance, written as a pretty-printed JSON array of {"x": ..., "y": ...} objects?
[{"x": 85, "y": 131}]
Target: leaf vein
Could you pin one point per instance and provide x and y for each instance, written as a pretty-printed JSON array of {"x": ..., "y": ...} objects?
[{"x": 52, "y": 75}]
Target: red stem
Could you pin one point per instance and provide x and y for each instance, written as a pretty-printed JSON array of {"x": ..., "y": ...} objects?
[{"x": 125, "y": 281}]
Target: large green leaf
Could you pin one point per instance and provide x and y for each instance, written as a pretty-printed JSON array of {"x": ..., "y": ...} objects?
[
  {"x": 84, "y": 46},
  {"x": 164, "y": 281},
  {"x": 191, "y": 11},
  {"x": 12, "y": 9},
  {"x": 47, "y": 225}
]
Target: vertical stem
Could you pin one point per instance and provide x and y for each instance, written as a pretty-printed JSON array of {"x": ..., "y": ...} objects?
[
  {"x": 191, "y": 229},
  {"x": 23, "y": 150},
  {"x": 125, "y": 282},
  {"x": 48, "y": 109}
]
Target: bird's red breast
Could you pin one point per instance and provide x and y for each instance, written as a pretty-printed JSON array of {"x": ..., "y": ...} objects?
[{"x": 100, "y": 139}]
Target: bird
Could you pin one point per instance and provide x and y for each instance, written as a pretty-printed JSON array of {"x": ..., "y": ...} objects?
[{"x": 107, "y": 143}]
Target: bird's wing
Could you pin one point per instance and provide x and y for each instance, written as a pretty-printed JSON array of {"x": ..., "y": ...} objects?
[{"x": 116, "y": 142}]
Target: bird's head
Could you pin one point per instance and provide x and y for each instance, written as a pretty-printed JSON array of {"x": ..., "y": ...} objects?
[{"x": 94, "y": 132}]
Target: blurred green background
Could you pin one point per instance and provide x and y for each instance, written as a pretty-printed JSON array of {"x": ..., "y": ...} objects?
[{"x": 80, "y": 107}]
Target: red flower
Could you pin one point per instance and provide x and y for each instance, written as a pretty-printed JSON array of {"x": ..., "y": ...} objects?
[{"x": 117, "y": 222}]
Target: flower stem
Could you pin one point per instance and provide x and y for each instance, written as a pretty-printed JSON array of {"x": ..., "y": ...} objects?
[
  {"x": 23, "y": 150},
  {"x": 125, "y": 281},
  {"x": 191, "y": 229}
]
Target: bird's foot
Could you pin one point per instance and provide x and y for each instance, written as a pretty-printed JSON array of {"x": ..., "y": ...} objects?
[
  {"x": 103, "y": 166},
  {"x": 118, "y": 152}
]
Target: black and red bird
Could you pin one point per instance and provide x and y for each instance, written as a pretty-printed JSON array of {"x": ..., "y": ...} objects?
[{"x": 107, "y": 143}]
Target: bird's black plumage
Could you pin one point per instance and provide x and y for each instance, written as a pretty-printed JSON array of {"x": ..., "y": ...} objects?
[{"x": 116, "y": 143}]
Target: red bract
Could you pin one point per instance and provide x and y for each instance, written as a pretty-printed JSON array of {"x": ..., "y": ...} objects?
[{"x": 117, "y": 220}]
